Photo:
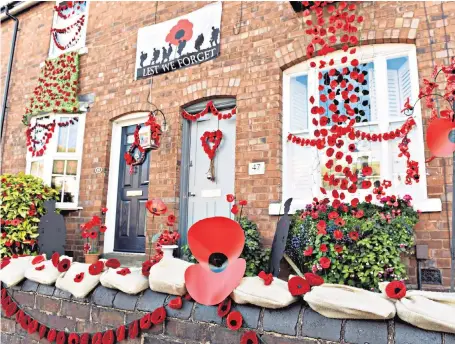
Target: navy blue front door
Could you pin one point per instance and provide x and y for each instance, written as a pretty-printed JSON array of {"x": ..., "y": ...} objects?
[{"x": 131, "y": 198}]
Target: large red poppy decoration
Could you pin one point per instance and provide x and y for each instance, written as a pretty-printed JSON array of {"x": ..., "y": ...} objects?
[
  {"x": 156, "y": 207},
  {"x": 216, "y": 243},
  {"x": 441, "y": 137},
  {"x": 182, "y": 31}
]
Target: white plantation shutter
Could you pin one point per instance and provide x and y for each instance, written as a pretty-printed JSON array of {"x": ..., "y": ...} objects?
[
  {"x": 372, "y": 85},
  {"x": 299, "y": 106},
  {"x": 393, "y": 92},
  {"x": 404, "y": 82}
]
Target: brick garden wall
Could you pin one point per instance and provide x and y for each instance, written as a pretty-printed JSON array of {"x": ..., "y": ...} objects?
[
  {"x": 258, "y": 41},
  {"x": 194, "y": 323}
]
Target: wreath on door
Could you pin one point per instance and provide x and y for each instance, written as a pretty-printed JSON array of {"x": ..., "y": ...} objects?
[
  {"x": 129, "y": 155},
  {"x": 210, "y": 142}
]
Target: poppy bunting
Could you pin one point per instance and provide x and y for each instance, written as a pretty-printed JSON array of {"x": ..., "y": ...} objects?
[
  {"x": 112, "y": 263},
  {"x": 96, "y": 268},
  {"x": 11, "y": 309},
  {"x": 33, "y": 326},
  {"x": 324, "y": 262},
  {"x": 234, "y": 320},
  {"x": 42, "y": 331},
  {"x": 37, "y": 260},
  {"x": 224, "y": 307},
  {"x": 85, "y": 338},
  {"x": 182, "y": 31},
  {"x": 396, "y": 290},
  {"x": 55, "y": 259},
  {"x": 156, "y": 207},
  {"x": 79, "y": 277},
  {"x": 176, "y": 303},
  {"x": 51, "y": 335},
  {"x": 19, "y": 316},
  {"x": 108, "y": 337},
  {"x": 158, "y": 316},
  {"x": 145, "y": 322},
  {"x": 249, "y": 337},
  {"x": 298, "y": 286},
  {"x": 73, "y": 338},
  {"x": 313, "y": 279},
  {"x": 120, "y": 333},
  {"x": 64, "y": 265},
  {"x": 97, "y": 338},
  {"x": 354, "y": 235},
  {"x": 39, "y": 268},
  {"x": 124, "y": 272},
  {"x": 61, "y": 337}
]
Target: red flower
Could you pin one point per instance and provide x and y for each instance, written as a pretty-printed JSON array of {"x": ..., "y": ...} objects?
[
  {"x": 87, "y": 247},
  {"x": 61, "y": 337},
  {"x": 182, "y": 31},
  {"x": 230, "y": 198},
  {"x": 112, "y": 263},
  {"x": 338, "y": 248},
  {"x": 51, "y": 335},
  {"x": 146, "y": 266},
  {"x": 171, "y": 219},
  {"x": 96, "y": 268},
  {"x": 313, "y": 279},
  {"x": 124, "y": 272},
  {"x": 103, "y": 210},
  {"x": 333, "y": 215},
  {"x": 108, "y": 337},
  {"x": 120, "y": 333},
  {"x": 235, "y": 209},
  {"x": 243, "y": 202},
  {"x": 367, "y": 171},
  {"x": 354, "y": 235},
  {"x": 323, "y": 248},
  {"x": 158, "y": 315},
  {"x": 95, "y": 221},
  {"x": 321, "y": 226},
  {"x": 73, "y": 338},
  {"x": 337, "y": 234},
  {"x": 64, "y": 265},
  {"x": 144, "y": 322},
  {"x": 249, "y": 337},
  {"x": 93, "y": 235},
  {"x": 298, "y": 286},
  {"x": 368, "y": 198},
  {"x": 79, "y": 277},
  {"x": 308, "y": 252},
  {"x": 396, "y": 290},
  {"x": 224, "y": 308},
  {"x": 366, "y": 184},
  {"x": 234, "y": 320},
  {"x": 359, "y": 214},
  {"x": 324, "y": 262},
  {"x": 176, "y": 303},
  {"x": 55, "y": 258},
  {"x": 85, "y": 234},
  {"x": 103, "y": 229},
  {"x": 268, "y": 278},
  {"x": 156, "y": 207},
  {"x": 37, "y": 260}
]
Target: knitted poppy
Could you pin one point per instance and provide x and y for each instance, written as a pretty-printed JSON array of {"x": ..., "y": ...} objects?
[
  {"x": 146, "y": 266},
  {"x": 396, "y": 290},
  {"x": 11, "y": 309},
  {"x": 4, "y": 293},
  {"x": 133, "y": 329},
  {"x": 354, "y": 235},
  {"x": 268, "y": 278},
  {"x": 61, "y": 337},
  {"x": 37, "y": 260},
  {"x": 51, "y": 335},
  {"x": 64, "y": 265},
  {"x": 308, "y": 252},
  {"x": 39, "y": 268},
  {"x": 124, "y": 272},
  {"x": 25, "y": 321},
  {"x": 144, "y": 322},
  {"x": 19, "y": 316},
  {"x": 103, "y": 229},
  {"x": 234, "y": 320},
  {"x": 96, "y": 268},
  {"x": 156, "y": 207},
  {"x": 249, "y": 337},
  {"x": 33, "y": 326},
  {"x": 230, "y": 198},
  {"x": 354, "y": 202},
  {"x": 158, "y": 315},
  {"x": 324, "y": 262},
  {"x": 55, "y": 259},
  {"x": 187, "y": 297},
  {"x": 108, "y": 337},
  {"x": 313, "y": 279},
  {"x": 367, "y": 171},
  {"x": 79, "y": 277},
  {"x": 42, "y": 331},
  {"x": 337, "y": 234},
  {"x": 97, "y": 338},
  {"x": 323, "y": 248},
  {"x": 85, "y": 338},
  {"x": 338, "y": 248},
  {"x": 235, "y": 209},
  {"x": 176, "y": 303},
  {"x": 243, "y": 202},
  {"x": 224, "y": 308},
  {"x": 113, "y": 263},
  {"x": 298, "y": 286},
  {"x": 93, "y": 235},
  {"x": 120, "y": 333},
  {"x": 73, "y": 338},
  {"x": 4, "y": 263}
]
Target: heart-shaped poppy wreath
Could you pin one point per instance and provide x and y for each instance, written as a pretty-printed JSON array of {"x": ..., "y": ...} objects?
[{"x": 210, "y": 142}]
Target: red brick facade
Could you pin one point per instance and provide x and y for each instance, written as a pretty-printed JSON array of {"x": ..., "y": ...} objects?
[{"x": 258, "y": 41}]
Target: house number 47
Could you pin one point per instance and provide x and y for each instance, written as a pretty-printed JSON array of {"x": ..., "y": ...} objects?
[{"x": 256, "y": 168}]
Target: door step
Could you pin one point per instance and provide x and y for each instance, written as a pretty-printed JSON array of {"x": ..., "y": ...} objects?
[{"x": 131, "y": 260}]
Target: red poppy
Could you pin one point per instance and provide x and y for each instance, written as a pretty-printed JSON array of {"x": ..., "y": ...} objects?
[
  {"x": 354, "y": 235},
  {"x": 321, "y": 226},
  {"x": 55, "y": 258},
  {"x": 120, "y": 333},
  {"x": 230, "y": 198},
  {"x": 234, "y": 320},
  {"x": 313, "y": 279},
  {"x": 108, "y": 337},
  {"x": 235, "y": 209},
  {"x": 182, "y": 31},
  {"x": 268, "y": 278},
  {"x": 333, "y": 215},
  {"x": 103, "y": 229},
  {"x": 85, "y": 234},
  {"x": 51, "y": 335},
  {"x": 96, "y": 268},
  {"x": 4, "y": 263},
  {"x": 396, "y": 290},
  {"x": 187, "y": 297},
  {"x": 339, "y": 222},
  {"x": 19, "y": 316},
  {"x": 323, "y": 248},
  {"x": 298, "y": 286},
  {"x": 146, "y": 266},
  {"x": 368, "y": 198},
  {"x": 171, "y": 219},
  {"x": 367, "y": 171},
  {"x": 97, "y": 338},
  {"x": 113, "y": 263},
  {"x": 25, "y": 322},
  {"x": 176, "y": 303},
  {"x": 249, "y": 337},
  {"x": 156, "y": 207},
  {"x": 42, "y": 331},
  {"x": 338, "y": 248},
  {"x": 145, "y": 322},
  {"x": 243, "y": 202},
  {"x": 337, "y": 234},
  {"x": 73, "y": 338},
  {"x": 308, "y": 252},
  {"x": 324, "y": 262},
  {"x": 64, "y": 265},
  {"x": 359, "y": 214},
  {"x": 224, "y": 308},
  {"x": 95, "y": 221},
  {"x": 93, "y": 235},
  {"x": 11, "y": 309},
  {"x": 158, "y": 315},
  {"x": 79, "y": 277},
  {"x": 37, "y": 260},
  {"x": 104, "y": 210},
  {"x": 124, "y": 272}
]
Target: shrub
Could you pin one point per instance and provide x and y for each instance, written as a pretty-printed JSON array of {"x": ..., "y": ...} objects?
[
  {"x": 22, "y": 203},
  {"x": 362, "y": 246}
]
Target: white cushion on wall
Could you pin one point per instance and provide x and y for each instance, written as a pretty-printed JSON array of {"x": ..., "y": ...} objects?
[
  {"x": 168, "y": 276},
  {"x": 132, "y": 283},
  {"x": 46, "y": 276},
  {"x": 14, "y": 272}
]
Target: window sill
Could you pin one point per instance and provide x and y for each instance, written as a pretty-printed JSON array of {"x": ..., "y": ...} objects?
[
  {"x": 68, "y": 207},
  {"x": 429, "y": 205}
]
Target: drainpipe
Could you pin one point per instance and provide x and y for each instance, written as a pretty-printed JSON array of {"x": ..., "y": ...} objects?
[
  {"x": 452, "y": 275},
  {"x": 8, "y": 73}
]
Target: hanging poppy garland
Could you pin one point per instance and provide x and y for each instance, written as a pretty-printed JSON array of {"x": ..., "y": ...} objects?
[
  {"x": 210, "y": 107},
  {"x": 77, "y": 26},
  {"x": 73, "y": 5},
  {"x": 211, "y": 140}
]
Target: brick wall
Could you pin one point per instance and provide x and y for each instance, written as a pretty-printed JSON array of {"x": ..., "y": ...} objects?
[
  {"x": 259, "y": 40},
  {"x": 194, "y": 323}
]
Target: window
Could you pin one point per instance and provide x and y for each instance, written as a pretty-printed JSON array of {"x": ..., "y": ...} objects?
[
  {"x": 389, "y": 78},
  {"x": 60, "y": 166},
  {"x": 70, "y": 19}
]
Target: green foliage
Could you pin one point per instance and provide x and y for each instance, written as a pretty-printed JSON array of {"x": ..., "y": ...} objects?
[
  {"x": 22, "y": 203},
  {"x": 385, "y": 233},
  {"x": 257, "y": 257}
]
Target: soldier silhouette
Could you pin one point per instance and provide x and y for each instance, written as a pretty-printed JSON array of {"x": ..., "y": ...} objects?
[
  {"x": 166, "y": 54},
  {"x": 156, "y": 55},
  {"x": 181, "y": 47},
  {"x": 199, "y": 41},
  {"x": 279, "y": 240},
  {"x": 143, "y": 58},
  {"x": 214, "y": 38}
]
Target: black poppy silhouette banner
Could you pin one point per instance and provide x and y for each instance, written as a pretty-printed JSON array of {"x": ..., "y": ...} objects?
[{"x": 178, "y": 43}]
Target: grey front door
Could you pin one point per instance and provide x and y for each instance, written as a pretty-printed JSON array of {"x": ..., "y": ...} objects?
[
  {"x": 207, "y": 198},
  {"x": 131, "y": 198}
]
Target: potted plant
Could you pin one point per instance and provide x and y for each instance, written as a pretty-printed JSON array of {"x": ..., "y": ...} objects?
[
  {"x": 166, "y": 241},
  {"x": 90, "y": 232}
]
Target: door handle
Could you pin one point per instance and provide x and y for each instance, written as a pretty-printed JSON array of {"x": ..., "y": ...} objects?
[{"x": 191, "y": 194}]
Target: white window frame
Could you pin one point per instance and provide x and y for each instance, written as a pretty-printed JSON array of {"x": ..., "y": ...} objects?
[
  {"x": 372, "y": 53},
  {"x": 51, "y": 154},
  {"x": 80, "y": 46}
]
